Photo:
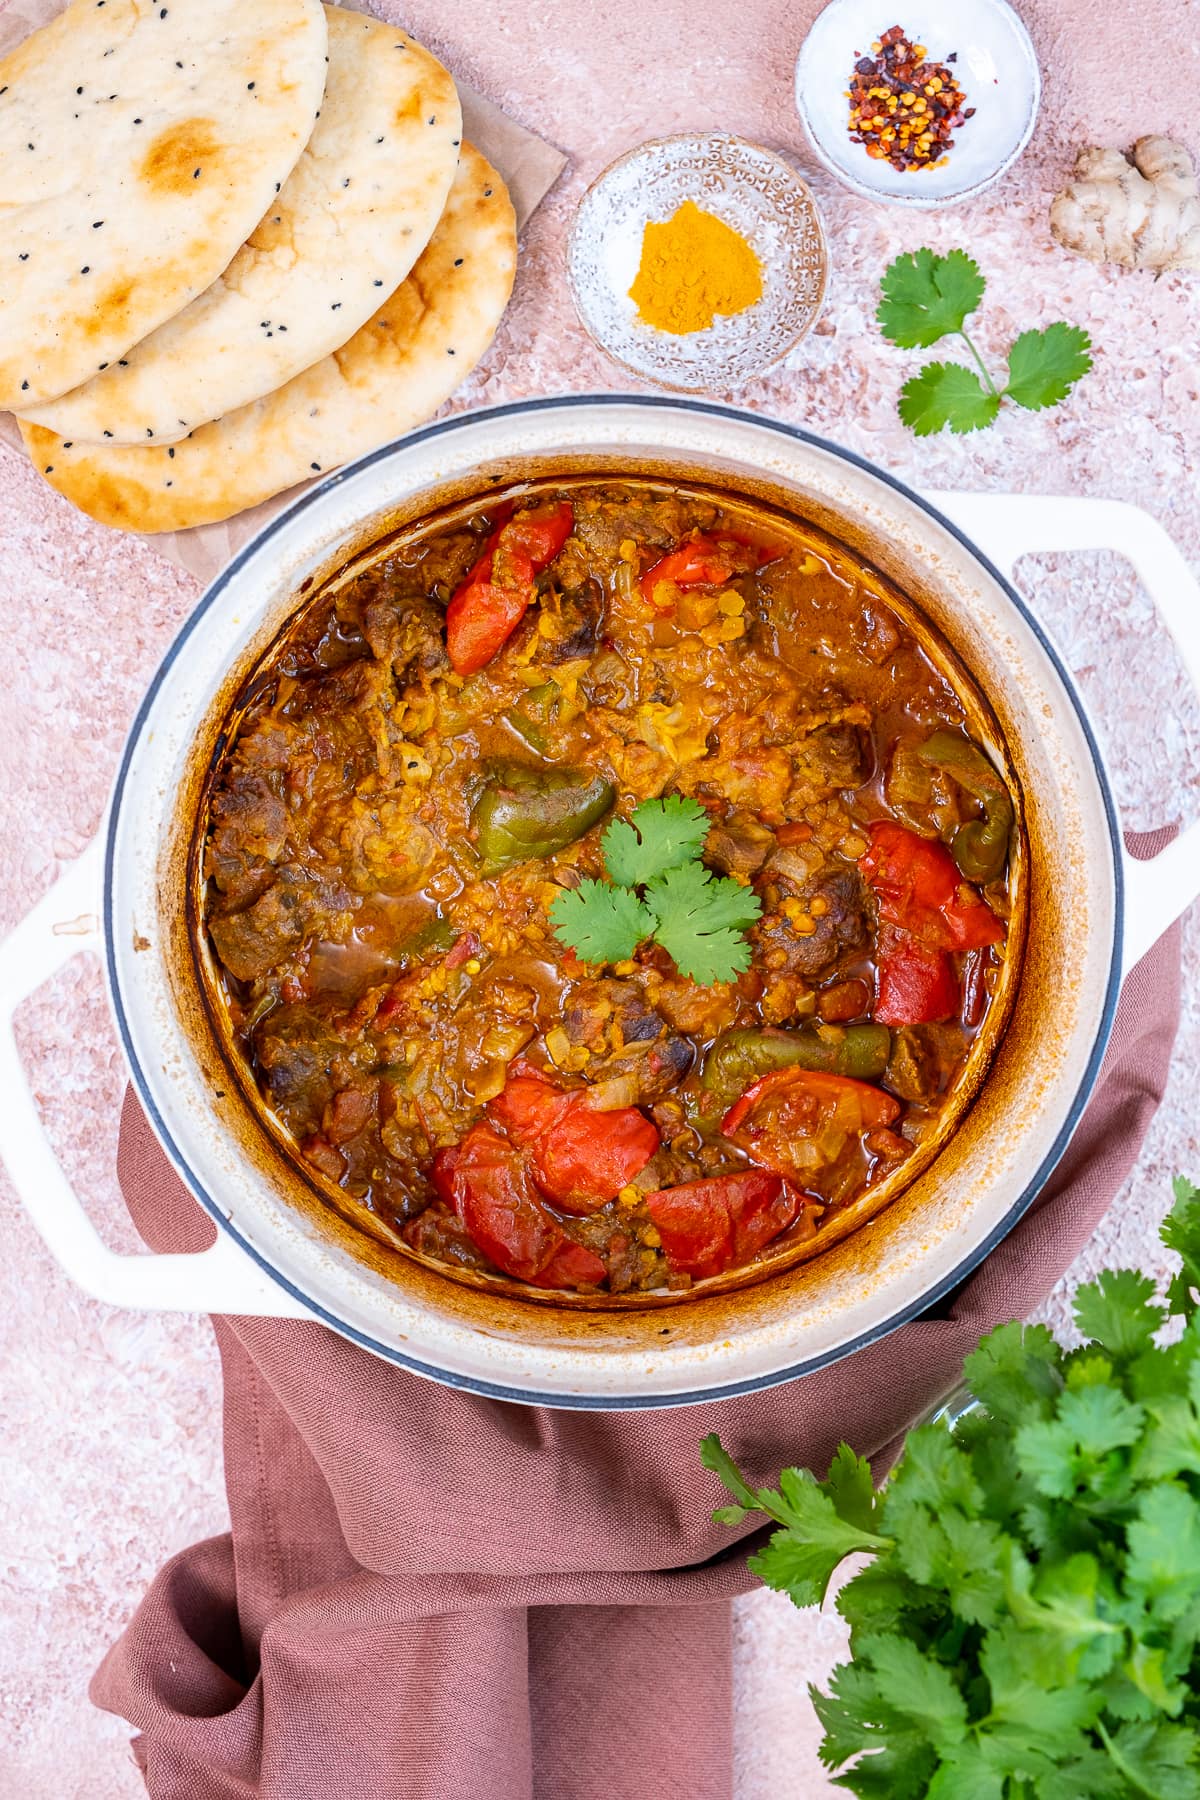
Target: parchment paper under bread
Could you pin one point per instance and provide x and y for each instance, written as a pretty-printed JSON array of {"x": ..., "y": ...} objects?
[{"x": 529, "y": 165}]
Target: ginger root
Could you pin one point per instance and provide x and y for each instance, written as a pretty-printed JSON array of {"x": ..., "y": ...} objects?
[{"x": 1141, "y": 211}]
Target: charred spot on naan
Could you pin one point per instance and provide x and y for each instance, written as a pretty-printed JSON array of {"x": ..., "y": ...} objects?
[{"x": 179, "y": 157}]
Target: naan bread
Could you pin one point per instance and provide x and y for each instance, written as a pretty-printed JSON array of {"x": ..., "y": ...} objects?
[
  {"x": 140, "y": 144},
  {"x": 392, "y": 374},
  {"x": 354, "y": 215}
]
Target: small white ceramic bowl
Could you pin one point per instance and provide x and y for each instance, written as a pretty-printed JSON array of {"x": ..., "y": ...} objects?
[
  {"x": 997, "y": 68},
  {"x": 749, "y": 188}
]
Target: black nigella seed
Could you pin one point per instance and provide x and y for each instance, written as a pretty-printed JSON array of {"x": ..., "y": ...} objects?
[
  {"x": 24, "y": 386},
  {"x": 433, "y": 120},
  {"x": 22, "y": 256},
  {"x": 68, "y": 443},
  {"x": 449, "y": 353},
  {"x": 137, "y": 121},
  {"x": 171, "y": 450},
  {"x": 195, "y": 174},
  {"x": 96, "y": 224},
  {"x": 487, "y": 193},
  {"x": 335, "y": 306},
  {"x": 149, "y": 433},
  {"x": 170, "y": 484},
  {"x": 379, "y": 140},
  {"x": 314, "y": 466},
  {"x": 108, "y": 434},
  {"x": 86, "y": 269},
  {"x": 79, "y": 90},
  {"x": 378, "y": 284},
  {"x": 249, "y": 87},
  {"x": 104, "y": 365},
  {"x": 458, "y": 262},
  {"x": 346, "y": 182},
  {"x": 122, "y": 364},
  {"x": 49, "y": 469}
]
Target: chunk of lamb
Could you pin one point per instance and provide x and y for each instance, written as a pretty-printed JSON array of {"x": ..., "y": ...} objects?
[
  {"x": 248, "y": 836},
  {"x": 628, "y": 1039},
  {"x": 575, "y": 630},
  {"x": 408, "y": 632},
  {"x": 840, "y": 933},
  {"x": 832, "y": 759},
  {"x": 738, "y": 845},
  {"x": 758, "y": 780},
  {"x": 260, "y": 936}
]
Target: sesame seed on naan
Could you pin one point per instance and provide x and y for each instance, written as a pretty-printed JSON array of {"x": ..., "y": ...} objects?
[
  {"x": 348, "y": 225},
  {"x": 139, "y": 146},
  {"x": 393, "y": 373}
]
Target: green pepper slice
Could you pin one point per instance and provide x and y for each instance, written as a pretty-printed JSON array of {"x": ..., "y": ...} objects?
[
  {"x": 980, "y": 847},
  {"x": 741, "y": 1056},
  {"x": 532, "y": 716},
  {"x": 525, "y": 811}
]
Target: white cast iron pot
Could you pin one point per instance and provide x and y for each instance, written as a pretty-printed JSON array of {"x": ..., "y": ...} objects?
[{"x": 1093, "y": 913}]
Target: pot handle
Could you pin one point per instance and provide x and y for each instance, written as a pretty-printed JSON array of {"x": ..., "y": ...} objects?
[
  {"x": 1006, "y": 526},
  {"x": 222, "y": 1279}
]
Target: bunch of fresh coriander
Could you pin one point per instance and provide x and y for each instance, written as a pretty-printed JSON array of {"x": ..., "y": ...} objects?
[
  {"x": 927, "y": 297},
  {"x": 1029, "y": 1628},
  {"x": 658, "y": 887}
]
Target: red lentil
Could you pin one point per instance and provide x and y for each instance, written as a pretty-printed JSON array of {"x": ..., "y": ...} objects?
[{"x": 904, "y": 108}]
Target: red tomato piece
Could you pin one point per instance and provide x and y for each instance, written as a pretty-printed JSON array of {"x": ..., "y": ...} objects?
[
  {"x": 571, "y": 1267},
  {"x": 798, "y": 1121},
  {"x": 581, "y": 1158},
  {"x": 708, "y": 1225},
  {"x": 700, "y": 562},
  {"x": 489, "y": 605},
  {"x": 813, "y": 1085},
  {"x": 487, "y": 1183},
  {"x": 918, "y": 887},
  {"x": 540, "y": 533},
  {"x": 915, "y": 985}
]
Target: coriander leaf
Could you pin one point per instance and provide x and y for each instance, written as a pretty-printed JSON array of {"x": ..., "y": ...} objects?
[
  {"x": 966, "y": 1776},
  {"x": 1171, "y": 1445},
  {"x": 1163, "y": 1562},
  {"x": 1014, "y": 1372},
  {"x": 1043, "y": 366},
  {"x": 601, "y": 923},
  {"x": 900, "y": 1758},
  {"x": 714, "y": 1456},
  {"x": 1157, "y": 1760},
  {"x": 1022, "y": 1697},
  {"x": 935, "y": 1471},
  {"x": 875, "y": 1598},
  {"x": 1117, "y": 1312},
  {"x": 699, "y": 920},
  {"x": 660, "y": 835},
  {"x": 800, "y": 1559},
  {"x": 1181, "y": 1232},
  {"x": 926, "y": 297},
  {"x": 851, "y": 1487},
  {"x": 1071, "y": 1452},
  {"x": 918, "y": 1686},
  {"x": 946, "y": 394},
  {"x": 1146, "y": 1667}
]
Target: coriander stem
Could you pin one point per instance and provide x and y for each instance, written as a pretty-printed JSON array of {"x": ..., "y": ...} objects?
[{"x": 979, "y": 364}]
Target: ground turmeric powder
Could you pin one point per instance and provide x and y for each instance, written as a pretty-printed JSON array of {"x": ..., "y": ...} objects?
[{"x": 693, "y": 267}]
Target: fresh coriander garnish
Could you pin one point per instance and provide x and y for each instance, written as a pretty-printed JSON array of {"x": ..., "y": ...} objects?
[
  {"x": 927, "y": 297},
  {"x": 1029, "y": 1626},
  {"x": 659, "y": 888}
]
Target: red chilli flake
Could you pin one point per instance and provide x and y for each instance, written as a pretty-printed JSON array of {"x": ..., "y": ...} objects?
[{"x": 903, "y": 108}]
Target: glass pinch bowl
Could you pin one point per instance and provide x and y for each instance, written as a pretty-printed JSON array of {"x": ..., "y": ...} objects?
[{"x": 751, "y": 189}]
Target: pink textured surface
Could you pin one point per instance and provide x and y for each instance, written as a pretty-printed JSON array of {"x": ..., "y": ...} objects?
[{"x": 109, "y": 1430}]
